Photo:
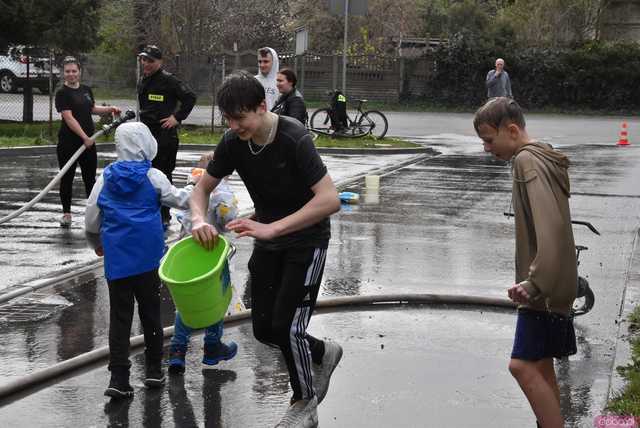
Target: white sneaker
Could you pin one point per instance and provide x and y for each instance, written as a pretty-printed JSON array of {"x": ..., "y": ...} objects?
[
  {"x": 301, "y": 414},
  {"x": 322, "y": 372},
  {"x": 66, "y": 221}
]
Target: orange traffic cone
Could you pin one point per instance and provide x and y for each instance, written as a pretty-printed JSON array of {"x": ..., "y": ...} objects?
[{"x": 624, "y": 140}]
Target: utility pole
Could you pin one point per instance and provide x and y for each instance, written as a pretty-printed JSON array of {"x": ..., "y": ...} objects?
[
  {"x": 346, "y": 8},
  {"x": 344, "y": 48}
]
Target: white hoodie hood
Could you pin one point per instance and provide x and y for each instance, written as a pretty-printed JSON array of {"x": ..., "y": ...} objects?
[
  {"x": 269, "y": 81},
  {"x": 134, "y": 142}
]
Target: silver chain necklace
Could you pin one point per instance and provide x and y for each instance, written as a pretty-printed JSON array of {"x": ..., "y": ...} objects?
[{"x": 250, "y": 143}]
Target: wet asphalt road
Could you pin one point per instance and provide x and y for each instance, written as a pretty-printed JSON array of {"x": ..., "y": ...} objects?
[
  {"x": 435, "y": 226},
  {"x": 32, "y": 245}
]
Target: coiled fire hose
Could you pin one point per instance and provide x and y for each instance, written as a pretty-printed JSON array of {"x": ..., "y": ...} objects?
[{"x": 106, "y": 129}]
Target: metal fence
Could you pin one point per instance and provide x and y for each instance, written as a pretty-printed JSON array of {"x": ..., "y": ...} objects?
[
  {"x": 26, "y": 75},
  {"x": 113, "y": 80}
]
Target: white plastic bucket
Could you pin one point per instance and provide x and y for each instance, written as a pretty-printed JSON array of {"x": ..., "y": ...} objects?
[
  {"x": 372, "y": 181},
  {"x": 372, "y": 197}
]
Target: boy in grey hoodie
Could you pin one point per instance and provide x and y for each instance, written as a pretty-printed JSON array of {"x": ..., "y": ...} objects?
[{"x": 546, "y": 272}]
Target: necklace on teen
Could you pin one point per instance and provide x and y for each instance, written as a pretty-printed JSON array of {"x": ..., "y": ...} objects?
[{"x": 250, "y": 143}]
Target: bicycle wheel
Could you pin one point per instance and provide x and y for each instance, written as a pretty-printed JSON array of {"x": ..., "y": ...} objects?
[
  {"x": 585, "y": 298},
  {"x": 321, "y": 121},
  {"x": 354, "y": 130},
  {"x": 375, "y": 123}
]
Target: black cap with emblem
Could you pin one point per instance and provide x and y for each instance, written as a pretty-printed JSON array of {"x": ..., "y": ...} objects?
[{"x": 152, "y": 52}]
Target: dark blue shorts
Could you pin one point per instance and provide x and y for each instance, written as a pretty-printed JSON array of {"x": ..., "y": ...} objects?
[{"x": 543, "y": 335}]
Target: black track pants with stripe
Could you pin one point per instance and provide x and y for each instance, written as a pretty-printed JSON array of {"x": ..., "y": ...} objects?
[{"x": 284, "y": 288}]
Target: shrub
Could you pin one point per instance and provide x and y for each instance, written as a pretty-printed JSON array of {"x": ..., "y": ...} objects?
[{"x": 600, "y": 76}]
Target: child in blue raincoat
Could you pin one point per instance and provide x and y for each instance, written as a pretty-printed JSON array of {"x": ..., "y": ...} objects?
[{"x": 123, "y": 223}]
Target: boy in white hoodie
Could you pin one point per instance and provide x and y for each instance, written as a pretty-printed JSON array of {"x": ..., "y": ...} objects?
[{"x": 269, "y": 64}]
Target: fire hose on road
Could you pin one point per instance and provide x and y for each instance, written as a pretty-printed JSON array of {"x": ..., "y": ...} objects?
[
  {"x": 104, "y": 131},
  {"x": 32, "y": 382}
]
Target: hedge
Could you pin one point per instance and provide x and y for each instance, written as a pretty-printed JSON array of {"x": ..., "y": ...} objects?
[{"x": 596, "y": 76}]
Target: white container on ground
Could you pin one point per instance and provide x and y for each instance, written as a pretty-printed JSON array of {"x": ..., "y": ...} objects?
[{"x": 372, "y": 181}]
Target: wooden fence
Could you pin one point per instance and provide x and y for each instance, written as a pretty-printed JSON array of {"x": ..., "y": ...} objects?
[
  {"x": 379, "y": 78},
  {"x": 376, "y": 78}
]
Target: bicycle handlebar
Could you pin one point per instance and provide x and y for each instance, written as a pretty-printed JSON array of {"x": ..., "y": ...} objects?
[{"x": 581, "y": 223}]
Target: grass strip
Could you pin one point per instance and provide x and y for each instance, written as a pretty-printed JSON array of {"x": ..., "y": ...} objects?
[
  {"x": 16, "y": 134},
  {"x": 627, "y": 401}
]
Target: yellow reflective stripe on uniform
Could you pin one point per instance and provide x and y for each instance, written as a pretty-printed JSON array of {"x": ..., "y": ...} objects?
[
  {"x": 154, "y": 97},
  {"x": 342, "y": 99}
]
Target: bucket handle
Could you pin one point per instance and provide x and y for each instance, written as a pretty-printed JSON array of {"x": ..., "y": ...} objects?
[{"x": 232, "y": 251}]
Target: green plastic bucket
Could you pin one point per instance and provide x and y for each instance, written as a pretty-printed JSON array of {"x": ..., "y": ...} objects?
[{"x": 198, "y": 280}]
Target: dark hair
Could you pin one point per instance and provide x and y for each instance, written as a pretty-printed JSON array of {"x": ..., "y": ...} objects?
[
  {"x": 264, "y": 52},
  {"x": 290, "y": 75},
  {"x": 240, "y": 92},
  {"x": 71, "y": 60},
  {"x": 497, "y": 112}
]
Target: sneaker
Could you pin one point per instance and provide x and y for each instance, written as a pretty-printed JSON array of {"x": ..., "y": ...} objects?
[
  {"x": 176, "y": 359},
  {"x": 213, "y": 354},
  {"x": 154, "y": 378},
  {"x": 66, "y": 221},
  {"x": 322, "y": 372},
  {"x": 301, "y": 414},
  {"x": 119, "y": 386}
]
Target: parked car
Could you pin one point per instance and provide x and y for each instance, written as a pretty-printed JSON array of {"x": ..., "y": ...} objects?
[{"x": 13, "y": 69}]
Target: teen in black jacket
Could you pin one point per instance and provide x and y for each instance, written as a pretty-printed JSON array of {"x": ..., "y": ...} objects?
[{"x": 290, "y": 102}]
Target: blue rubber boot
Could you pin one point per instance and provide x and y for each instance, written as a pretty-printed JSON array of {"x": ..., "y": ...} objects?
[{"x": 176, "y": 359}]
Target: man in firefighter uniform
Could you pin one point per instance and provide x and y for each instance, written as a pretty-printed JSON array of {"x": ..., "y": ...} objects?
[{"x": 159, "y": 93}]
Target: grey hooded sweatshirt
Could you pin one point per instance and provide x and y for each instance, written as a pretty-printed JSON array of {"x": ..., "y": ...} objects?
[
  {"x": 269, "y": 81},
  {"x": 545, "y": 251}
]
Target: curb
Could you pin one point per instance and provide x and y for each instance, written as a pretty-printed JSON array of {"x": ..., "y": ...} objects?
[
  {"x": 630, "y": 299},
  {"x": 47, "y": 150},
  {"x": 338, "y": 150},
  {"x": 37, "y": 380},
  {"x": 43, "y": 150}
]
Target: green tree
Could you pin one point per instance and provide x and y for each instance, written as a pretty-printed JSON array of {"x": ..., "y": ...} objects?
[
  {"x": 114, "y": 32},
  {"x": 65, "y": 25},
  {"x": 556, "y": 22}
]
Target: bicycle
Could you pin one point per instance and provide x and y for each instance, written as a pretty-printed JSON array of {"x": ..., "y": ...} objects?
[
  {"x": 369, "y": 122},
  {"x": 585, "y": 298}
]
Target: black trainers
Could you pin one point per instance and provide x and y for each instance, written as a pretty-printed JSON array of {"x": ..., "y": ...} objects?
[
  {"x": 119, "y": 386},
  {"x": 213, "y": 354},
  {"x": 154, "y": 377},
  {"x": 176, "y": 359}
]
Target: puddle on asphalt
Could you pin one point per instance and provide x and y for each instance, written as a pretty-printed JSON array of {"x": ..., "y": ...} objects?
[{"x": 400, "y": 368}]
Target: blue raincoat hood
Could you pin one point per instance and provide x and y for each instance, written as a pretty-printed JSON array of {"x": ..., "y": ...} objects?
[{"x": 125, "y": 177}]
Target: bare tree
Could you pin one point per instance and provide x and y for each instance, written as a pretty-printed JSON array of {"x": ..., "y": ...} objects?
[
  {"x": 393, "y": 21},
  {"x": 556, "y": 22}
]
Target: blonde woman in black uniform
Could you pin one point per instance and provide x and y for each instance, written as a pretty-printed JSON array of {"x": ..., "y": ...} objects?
[{"x": 76, "y": 104}]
